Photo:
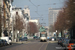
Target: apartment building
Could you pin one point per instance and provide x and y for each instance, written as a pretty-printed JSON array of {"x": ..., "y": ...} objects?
[
  {"x": 53, "y": 12},
  {"x": 6, "y": 15}
]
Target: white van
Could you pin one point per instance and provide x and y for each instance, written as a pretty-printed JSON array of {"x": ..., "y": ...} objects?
[{"x": 7, "y": 39}]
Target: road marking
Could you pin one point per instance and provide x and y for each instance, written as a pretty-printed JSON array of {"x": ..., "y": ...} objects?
[
  {"x": 53, "y": 41},
  {"x": 46, "y": 46},
  {"x": 41, "y": 46}
]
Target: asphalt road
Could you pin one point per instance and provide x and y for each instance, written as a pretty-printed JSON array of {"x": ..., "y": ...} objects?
[
  {"x": 52, "y": 45},
  {"x": 33, "y": 45}
]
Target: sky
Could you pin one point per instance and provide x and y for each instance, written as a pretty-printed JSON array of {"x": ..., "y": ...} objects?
[{"x": 39, "y": 8}]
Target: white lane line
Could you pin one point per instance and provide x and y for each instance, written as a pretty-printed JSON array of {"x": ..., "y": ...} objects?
[
  {"x": 41, "y": 46},
  {"x": 46, "y": 46}
]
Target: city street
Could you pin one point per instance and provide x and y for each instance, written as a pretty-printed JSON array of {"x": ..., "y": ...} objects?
[
  {"x": 33, "y": 45},
  {"x": 25, "y": 24}
]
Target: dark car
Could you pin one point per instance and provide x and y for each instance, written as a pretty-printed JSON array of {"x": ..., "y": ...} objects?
[
  {"x": 20, "y": 38},
  {"x": 5, "y": 42},
  {"x": 24, "y": 39},
  {"x": 58, "y": 38},
  {"x": 60, "y": 41},
  {"x": 35, "y": 37},
  {"x": 65, "y": 42},
  {"x": 1, "y": 42}
]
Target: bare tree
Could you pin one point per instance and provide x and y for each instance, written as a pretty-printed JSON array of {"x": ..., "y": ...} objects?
[
  {"x": 32, "y": 28},
  {"x": 66, "y": 17},
  {"x": 18, "y": 23},
  {"x": 60, "y": 23},
  {"x": 70, "y": 12}
]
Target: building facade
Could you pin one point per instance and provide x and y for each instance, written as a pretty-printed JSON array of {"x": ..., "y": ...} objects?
[
  {"x": 5, "y": 4},
  {"x": 53, "y": 13},
  {"x": 35, "y": 21},
  {"x": 26, "y": 13}
]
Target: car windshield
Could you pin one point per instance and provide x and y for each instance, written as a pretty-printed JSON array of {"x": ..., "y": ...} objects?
[{"x": 43, "y": 35}]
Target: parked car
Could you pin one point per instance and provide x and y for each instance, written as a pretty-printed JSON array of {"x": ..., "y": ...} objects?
[
  {"x": 1, "y": 42},
  {"x": 5, "y": 42},
  {"x": 20, "y": 38},
  {"x": 71, "y": 44},
  {"x": 7, "y": 39},
  {"x": 58, "y": 38},
  {"x": 60, "y": 41},
  {"x": 65, "y": 43},
  {"x": 36, "y": 37},
  {"x": 24, "y": 39},
  {"x": 52, "y": 39}
]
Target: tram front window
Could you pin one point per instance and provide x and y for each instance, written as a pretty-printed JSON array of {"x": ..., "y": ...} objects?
[{"x": 43, "y": 35}]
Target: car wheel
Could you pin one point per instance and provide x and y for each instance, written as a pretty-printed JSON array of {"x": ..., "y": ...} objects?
[{"x": 10, "y": 43}]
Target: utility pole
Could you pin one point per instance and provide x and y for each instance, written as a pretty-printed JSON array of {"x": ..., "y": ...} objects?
[{"x": 53, "y": 18}]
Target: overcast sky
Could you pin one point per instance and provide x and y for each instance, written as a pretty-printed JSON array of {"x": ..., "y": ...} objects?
[{"x": 39, "y": 8}]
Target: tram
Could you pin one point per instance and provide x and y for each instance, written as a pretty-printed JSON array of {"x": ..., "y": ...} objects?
[{"x": 43, "y": 36}]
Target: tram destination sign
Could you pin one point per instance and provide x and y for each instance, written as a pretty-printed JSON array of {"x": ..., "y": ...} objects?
[{"x": 43, "y": 32}]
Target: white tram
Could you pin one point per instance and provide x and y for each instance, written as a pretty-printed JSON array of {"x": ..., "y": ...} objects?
[{"x": 43, "y": 36}]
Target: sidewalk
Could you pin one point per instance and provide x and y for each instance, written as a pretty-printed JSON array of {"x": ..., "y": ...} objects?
[{"x": 21, "y": 42}]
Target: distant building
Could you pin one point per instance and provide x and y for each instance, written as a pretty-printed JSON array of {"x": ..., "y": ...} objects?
[
  {"x": 35, "y": 21},
  {"x": 18, "y": 10},
  {"x": 53, "y": 12},
  {"x": 6, "y": 4},
  {"x": 26, "y": 13}
]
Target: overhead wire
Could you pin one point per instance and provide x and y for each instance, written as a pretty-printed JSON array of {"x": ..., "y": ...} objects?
[
  {"x": 41, "y": 11},
  {"x": 32, "y": 3}
]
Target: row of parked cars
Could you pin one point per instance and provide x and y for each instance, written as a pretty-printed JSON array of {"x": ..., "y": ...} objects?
[
  {"x": 23, "y": 39},
  {"x": 3, "y": 42},
  {"x": 26, "y": 39},
  {"x": 67, "y": 44}
]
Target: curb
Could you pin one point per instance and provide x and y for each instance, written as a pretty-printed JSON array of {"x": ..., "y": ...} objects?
[{"x": 22, "y": 42}]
